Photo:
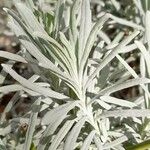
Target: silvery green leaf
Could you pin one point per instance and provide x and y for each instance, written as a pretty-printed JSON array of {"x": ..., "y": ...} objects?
[
  {"x": 32, "y": 123},
  {"x": 73, "y": 21},
  {"x": 32, "y": 86},
  {"x": 88, "y": 140},
  {"x": 145, "y": 53},
  {"x": 2, "y": 146},
  {"x": 98, "y": 142},
  {"x": 115, "y": 142},
  {"x": 132, "y": 72},
  {"x": 10, "y": 88},
  {"x": 45, "y": 138},
  {"x": 12, "y": 56},
  {"x": 139, "y": 6},
  {"x": 73, "y": 135},
  {"x": 91, "y": 40},
  {"x": 69, "y": 48},
  {"x": 116, "y": 4},
  {"x": 85, "y": 26},
  {"x": 102, "y": 104},
  {"x": 34, "y": 51},
  {"x": 57, "y": 112},
  {"x": 126, "y": 113},
  {"x": 30, "y": 4},
  {"x": 147, "y": 26},
  {"x": 29, "y": 18},
  {"x": 124, "y": 85},
  {"x": 118, "y": 37},
  {"x": 110, "y": 56},
  {"x": 60, "y": 135},
  {"x": 128, "y": 48},
  {"x": 126, "y": 22},
  {"x": 117, "y": 101},
  {"x": 58, "y": 16},
  {"x": 59, "y": 50},
  {"x": 104, "y": 37}
]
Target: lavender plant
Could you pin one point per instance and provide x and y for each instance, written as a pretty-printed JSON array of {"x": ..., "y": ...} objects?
[{"x": 74, "y": 78}]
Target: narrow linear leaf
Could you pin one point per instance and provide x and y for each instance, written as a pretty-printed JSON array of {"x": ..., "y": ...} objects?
[
  {"x": 91, "y": 40},
  {"x": 124, "y": 85},
  {"x": 117, "y": 101},
  {"x": 110, "y": 56},
  {"x": 32, "y": 123},
  {"x": 145, "y": 53},
  {"x": 101, "y": 103},
  {"x": 73, "y": 135},
  {"x": 126, "y": 113},
  {"x": 88, "y": 140},
  {"x": 58, "y": 16},
  {"x": 57, "y": 112},
  {"x": 85, "y": 26},
  {"x": 147, "y": 27},
  {"x": 115, "y": 142},
  {"x": 12, "y": 56},
  {"x": 127, "y": 23},
  {"x": 30, "y": 4},
  {"x": 32, "y": 86},
  {"x": 29, "y": 18},
  {"x": 44, "y": 62},
  {"x": 46, "y": 136},
  {"x": 10, "y": 88},
  {"x": 98, "y": 142},
  {"x": 133, "y": 73},
  {"x": 73, "y": 21},
  {"x": 61, "y": 134}
]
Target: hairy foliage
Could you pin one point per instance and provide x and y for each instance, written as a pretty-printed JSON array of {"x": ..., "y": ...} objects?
[{"x": 78, "y": 68}]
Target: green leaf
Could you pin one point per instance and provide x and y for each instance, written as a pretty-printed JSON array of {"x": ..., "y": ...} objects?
[
  {"x": 33, "y": 147},
  {"x": 141, "y": 146}
]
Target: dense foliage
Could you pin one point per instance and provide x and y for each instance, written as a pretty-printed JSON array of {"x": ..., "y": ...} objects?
[{"x": 82, "y": 54}]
